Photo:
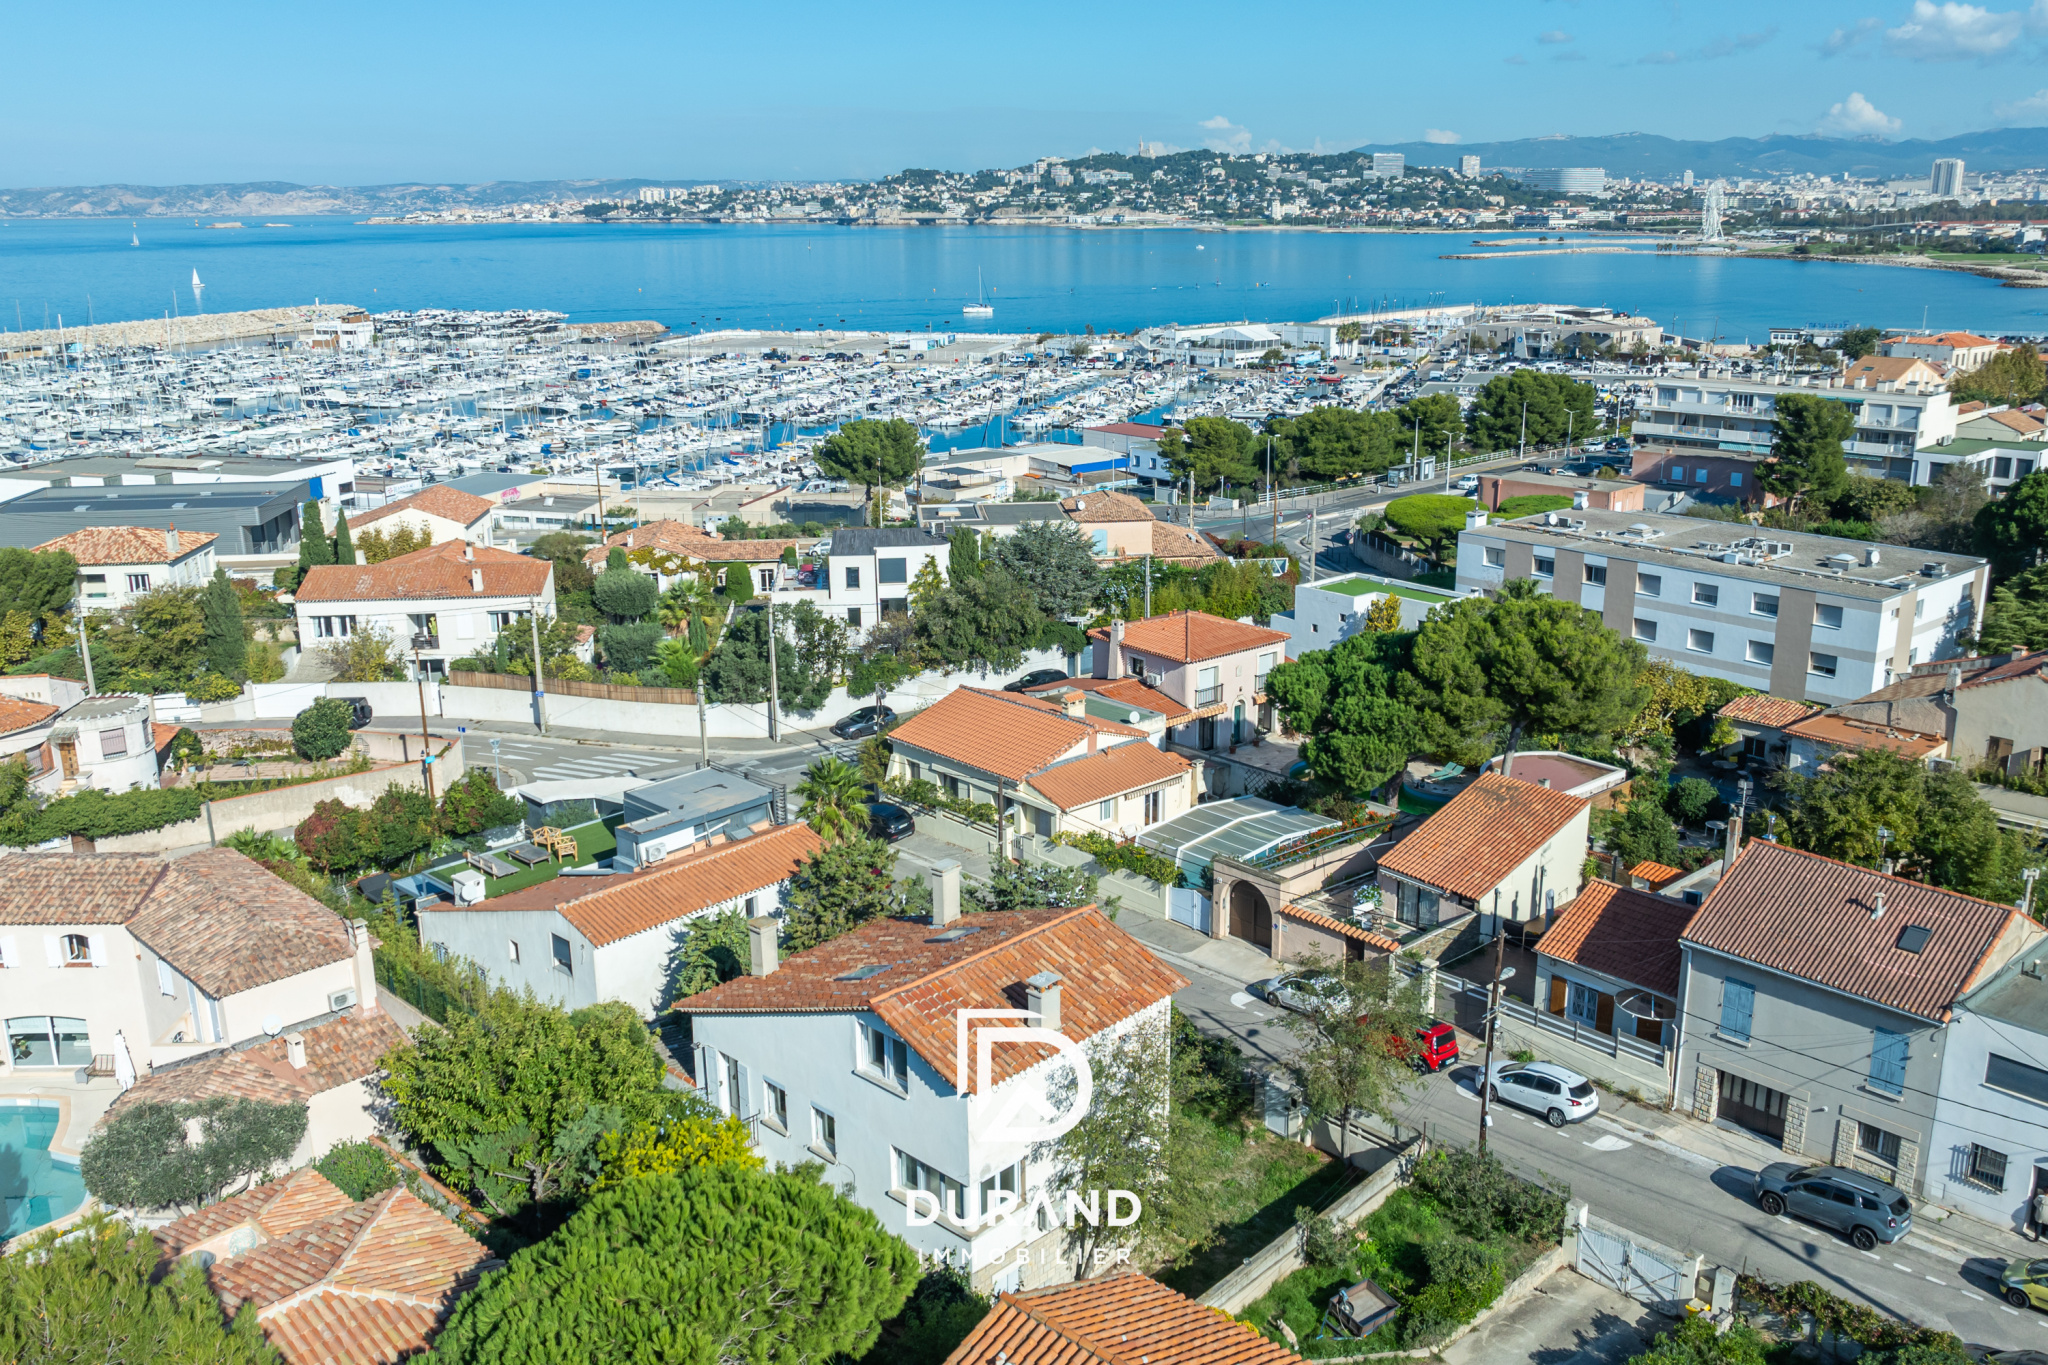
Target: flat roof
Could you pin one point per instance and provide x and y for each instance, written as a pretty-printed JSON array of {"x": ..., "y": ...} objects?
[
  {"x": 150, "y": 497},
  {"x": 1561, "y": 482},
  {"x": 1737, "y": 550},
  {"x": 1359, "y": 584},
  {"x": 697, "y": 795},
  {"x": 89, "y": 466},
  {"x": 1976, "y": 445}
]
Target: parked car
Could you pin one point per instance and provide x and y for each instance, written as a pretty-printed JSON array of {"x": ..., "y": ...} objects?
[
  {"x": 1468, "y": 483},
  {"x": 889, "y": 822},
  {"x": 360, "y": 713},
  {"x": 1618, "y": 444},
  {"x": 1037, "y": 677},
  {"x": 1302, "y": 992},
  {"x": 869, "y": 720},
  {"x": 1434, "y": 1047},
  {"x": 1862, "y": 1207},
  {"x": 2024, "y": 1285},
  {"x": 1558, "y": 1093}
]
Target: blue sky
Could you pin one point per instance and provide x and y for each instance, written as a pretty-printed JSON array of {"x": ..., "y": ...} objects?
[{"x": 366, "y": 92}]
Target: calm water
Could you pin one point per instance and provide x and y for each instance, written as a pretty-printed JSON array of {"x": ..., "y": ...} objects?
[{"x": 1037, "y": 278}]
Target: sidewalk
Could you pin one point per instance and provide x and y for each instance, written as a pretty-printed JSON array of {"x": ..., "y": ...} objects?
[{"x": 1230, "y": 960}]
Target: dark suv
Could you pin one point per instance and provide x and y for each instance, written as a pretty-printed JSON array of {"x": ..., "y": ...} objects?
[{"x": 1862, "y": 1207}]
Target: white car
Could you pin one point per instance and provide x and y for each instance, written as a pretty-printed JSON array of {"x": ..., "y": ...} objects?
[
  {"x": 1558, "y": 1093},
  {"x": 1468, "y": 483}
]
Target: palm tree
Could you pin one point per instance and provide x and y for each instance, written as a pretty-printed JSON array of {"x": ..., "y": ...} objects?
[
  {"x": 834, "y": 799},
  {"x": 685, "y": 599}
]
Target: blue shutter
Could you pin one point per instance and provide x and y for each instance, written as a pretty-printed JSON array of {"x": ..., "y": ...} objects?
[
  {"x": 1738, "y": 1002},
  {"x": 1888, "y": 1061}
]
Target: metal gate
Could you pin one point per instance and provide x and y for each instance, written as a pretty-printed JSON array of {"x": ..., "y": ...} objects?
[
  {"x": 1185, "y": 905},
  {"x": 1644, "y": 1271}
]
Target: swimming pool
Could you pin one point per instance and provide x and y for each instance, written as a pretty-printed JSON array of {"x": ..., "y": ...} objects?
[{"x": 35, "y": 1187}]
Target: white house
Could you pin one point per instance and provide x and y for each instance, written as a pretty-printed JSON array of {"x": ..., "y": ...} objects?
[
  {"x": 457, "y": 595},
  {"x": 105, "y": 742},
  {"x": 1327, "y": 614},
  {"x": 848, "y": 1054},
  {"x": 117, "y": 564},
  {"x": 437, "y": 511},
  {"x": 575, "y": 940},
  {"x": 872, "y": 570},
  {"x": 1988, "y": 1151}
]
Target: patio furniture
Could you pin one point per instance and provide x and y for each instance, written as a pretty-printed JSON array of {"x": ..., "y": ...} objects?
[
  {"x": 529, "y": 855},
  {"x": 1446, "y": 773},
  {"x": 102, "y": 1065},
  {"x": 558, "y": 842},
  {"x": 490, "y": 865}
]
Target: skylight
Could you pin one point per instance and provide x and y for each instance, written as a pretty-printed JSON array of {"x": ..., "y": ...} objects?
[
  {"x": 1913, "y": 938},
  {"x": 863, "y": 973},
  {"x": 955, "y": 935}
]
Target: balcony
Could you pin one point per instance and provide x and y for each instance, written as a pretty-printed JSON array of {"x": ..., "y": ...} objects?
[{"x": 1208, "y": 696}]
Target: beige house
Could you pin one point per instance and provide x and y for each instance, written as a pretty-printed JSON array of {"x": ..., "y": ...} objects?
[
  {"x": 1992, "y": 709},
  {"x": 1510, "y": 851},
  {"x": 454, "y": 598},
  {"x": 437, "y": 511},
  {"x": 117, "y": 564},
  {"x": 1214, "y": 667}
]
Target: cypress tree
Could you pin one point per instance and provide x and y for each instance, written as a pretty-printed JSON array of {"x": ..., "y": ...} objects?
[
  {"x": 344, "y": 550},
  {"x": 227, "y": 647},
  {"x": 314, "y": 546}
]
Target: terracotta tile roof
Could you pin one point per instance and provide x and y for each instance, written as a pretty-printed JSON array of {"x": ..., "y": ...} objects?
[
  {"x": 1105, "y": 506},
  {"x": 620, "y": 907},
  {"x": 1343, "y": 928},
  {"x": 128, "y": 544},
  {"x": 19, "y": 713},
  {"x": 77, "y": 888},
  {"x": 1005, "y": 734},
  {"x": 1188, "y": 636},
  {"x": 1877, "y": 368},
  {"x": 1119, "y": 1319},
  {"x": 438, "y": 572},
  {"x": 1961, "y": 339},
  {"x": 1623, "y": 933},
  {"x": 1841, "y": 732},
  {"x": 1759, "y": 708},
  {"x": 1108, "y": 976},
  {"x": 338, "y": 1052},
  {"x": 2021, "y": 665},
  {"x": 228, "y": 925},
  {"x": 679, "y": 537},
  {"x": 435, "y": 500},
  {"x": 1130, "y": 691},
  {"x": 1656, "y": 874},
  {"x": 1178, "y": 545},
  {"x": 304, "y": 1196},
  {"x": 160, "y": 734},
  {"x": 1483, "y": 833},
  {"x": 1106, "y": 773},
  {"x": 1810, "y": 917},
  {"x": 2019, "y": 422}
]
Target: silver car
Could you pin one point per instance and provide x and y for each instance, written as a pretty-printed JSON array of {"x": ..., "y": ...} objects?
[
  {"x": 1304, "y": 992},
  {"x": 1558, "y": 1093}
]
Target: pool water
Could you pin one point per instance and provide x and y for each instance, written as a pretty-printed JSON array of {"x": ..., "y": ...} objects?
[{"x": 35, "y": 1187}]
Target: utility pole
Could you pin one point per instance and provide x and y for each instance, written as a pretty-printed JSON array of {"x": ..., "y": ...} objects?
[
  {"x": 703, "y": 731},
  {"x": 774, "y": 692},
  {"x": 85, "y": 652},
  {"x": 419, "y": 674},
  {"x": 1313, "y": 548},
  {"x": 1272, "y": 490},
  {"x": 1500, "y": 947},
  {"x": 1524, "y": 441},
  {"x": 1148, "y": 585},
  {"x": 540, "y": 688}
]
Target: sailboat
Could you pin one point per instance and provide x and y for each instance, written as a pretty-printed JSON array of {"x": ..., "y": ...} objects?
[
  {"x": 977, "y": 309},
  {"x": 133, "y": 239},
  {"x": 197, "y": 285}
]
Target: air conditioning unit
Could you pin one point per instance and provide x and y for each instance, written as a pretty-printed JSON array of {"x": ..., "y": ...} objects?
[
  {"x": 1155, "y": 679},
  {"x": 469, "y": 886},
  {"x": 341, "y": 1000}
]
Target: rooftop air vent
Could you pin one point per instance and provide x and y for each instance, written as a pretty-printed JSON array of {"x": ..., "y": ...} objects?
[{"x": 1930, "y": 570}]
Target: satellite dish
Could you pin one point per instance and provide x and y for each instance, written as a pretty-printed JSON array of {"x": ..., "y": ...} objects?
[{"x": 271, "y": 1024}]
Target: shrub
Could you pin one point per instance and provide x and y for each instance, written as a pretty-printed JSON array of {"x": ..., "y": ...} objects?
[
  {"x": 1690, "y": 800},
  {"x": 140, "y": 1158},
  {"x": 625, "y": 594},
  {"x": 358, "y": 1169},
  {"x": 1123, "y": 855},
  {"x": 739, "y": 584},
  {"x": 629, "y": 648},
  {"x": 880, "y": 674},
  {"x": 1323, "y": 1242},
  {"x": 94, "y": 814},
  {"x": 330, "y": 836},
  {"x": 1530, "y": 504},
  {"x": 475, "y": 804},
  {"x": 1482, "y": 1198},
  {"x": 321, "y": 731},
  {"x": 208, "y": 687}
]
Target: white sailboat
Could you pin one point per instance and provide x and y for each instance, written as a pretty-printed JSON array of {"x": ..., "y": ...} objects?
[
  {"x": 133, "y": 239},
  {"x": 196, "y": 287},
  {"x": 977, "y": 309}
]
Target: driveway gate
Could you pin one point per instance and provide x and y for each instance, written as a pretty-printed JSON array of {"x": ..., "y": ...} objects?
[{"x": 1649, "y": 1273}]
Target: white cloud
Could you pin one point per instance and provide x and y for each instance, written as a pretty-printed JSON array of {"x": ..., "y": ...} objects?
[
  {"x": 1842, "y": 39},
  {"x": 1953, "y": 31},
  {"x": 2027, "y": 113},
  {"x": 1225, "y": 136},
  {"x": 1858, "y": 117},
  {"x": 1440, "y": 135},
  {"x": 1556, "y": 35}
]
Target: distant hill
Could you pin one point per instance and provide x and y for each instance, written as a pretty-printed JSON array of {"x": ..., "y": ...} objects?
[
  {"x": 275, "y": 198},
  {"x": 1640, "y": 155}
]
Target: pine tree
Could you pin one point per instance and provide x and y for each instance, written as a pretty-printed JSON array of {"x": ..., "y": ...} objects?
[
  {"x": 926, "y": 587},
  {"x": 344, "y": 552},
  {"x": 314, "y": 546},
  {"x": 227, "y": 647}
]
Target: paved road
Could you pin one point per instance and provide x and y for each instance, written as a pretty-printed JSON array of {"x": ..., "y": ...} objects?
[{"x": 530, "y": 758}]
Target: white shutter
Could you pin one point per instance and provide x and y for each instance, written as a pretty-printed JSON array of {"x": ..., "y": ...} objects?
[
  {"x": 166, "y": 980},
  {"x": 98, "y": 944},
  {"x": 53, "y": 950},
  {"x": 743, "y": 1103}
]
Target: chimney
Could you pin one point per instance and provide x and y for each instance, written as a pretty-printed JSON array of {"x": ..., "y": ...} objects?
[
  {"x": 476, "y": 580},
  {"x": 1734, "y": 844},
  {"x": 295, "y": 1050},
  {"x": 171, "y": 542},
  {"x": 1075, "y": 701},
  {"x": 366, "y": 967},
  {"x": 1042, "y": 998},
  {"x": 1619, "y": 874},
  {"x": 945, "y": 883},
  {"x": 761, "y": 939},
  {"x": 1116, "y": 651},
  {"x": 468, "y": 551},
  {"x": 1475, "y": 518}
]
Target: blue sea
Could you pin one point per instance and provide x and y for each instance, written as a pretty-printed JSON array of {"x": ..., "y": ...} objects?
[{"x": 1038, "y": 279}]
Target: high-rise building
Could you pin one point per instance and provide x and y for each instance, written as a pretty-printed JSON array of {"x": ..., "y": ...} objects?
[
  {"x": 1468, "y": 166},
  {"x": 1686, "y": 180},
  {"x": 1389, "y": 165},
  {"x": 1947, "y": 180},
  {"x": 1567, "y": 179}
]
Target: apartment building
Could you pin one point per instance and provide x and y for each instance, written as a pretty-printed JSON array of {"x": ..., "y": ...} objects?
[
  {"x": 1705, "y": 414},
  {"x": 1788, "y": 613}
]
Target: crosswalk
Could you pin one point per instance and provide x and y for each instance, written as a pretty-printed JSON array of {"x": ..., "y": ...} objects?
[{"x": 598, "y": 765}]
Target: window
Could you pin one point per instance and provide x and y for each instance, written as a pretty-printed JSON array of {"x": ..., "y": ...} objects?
[
  {"x": 1099, "y": 540},
  {"x": 1208, "y": 687},
  {"x": 76, "y": 950},
  {"x": 500, "y": 621},
  {"x": 1650, "y": 584},
  {"x": 560, "y": 947},
  {"x": 39, "y": 1040},
  {"x": 1009, "y": 1180},
  {"x": 1678, "y": 473},
  {"x": 114, "y": 742},
  {"x": 1888, "y": 1061},
  {"x": 750, "y": 911},
  {"x": 1701, "y": 641},
  {"x": 1830, "y": 618},
  {"x": 1760, "y": 651},
  {"x": 1700, "y": 475},
  {"x": 1821, "y": 665},
  {"x": 735, "y": 1088},
  {"x": 1919, "y": 611},
  {"x": 776, "y": 1113},
  {"x": 1153, "y": 802},
  {"x": 824, "y": 1133},
  {"x": 1985, "y": 1167},
  {"x": 853, "y": 616},
  {"x": 1646, "y": 629},
  {"x": 1597, "y": 573},
  {"x": 890, "y": 571},
  {"x": 1706, "y": 594},
  {"x": 512, "y": 949},
  {"x": 884, "y": 1057},
  {"x": 166, "y": 979},
  {"x": 1137, "y": 666},
  {"x": 1738, "y": 1003},
  {"x": 1106, "y": 810},
  {"x": 2016, "y": 1078},
  {"x": 1546, "y": 566},
  {"x": 1875, "y": 1141},
  {"x": 1735, "y": 480},
  {"x": 912, "y": 1174},
  {"x": 335, "y": 627},
  {"x": 138, "y": 582},
  {"x": 1763, "y": 603},
  {"x": 1914, "y": 938},
  {"x": 1496, "y": 556}
]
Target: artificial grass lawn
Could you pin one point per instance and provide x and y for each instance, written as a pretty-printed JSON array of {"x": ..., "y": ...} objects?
[
  {"x": 593, "y": 841},
  {"x": 1355, "y": 583},
  {"x": 1256, "y": 1179}
]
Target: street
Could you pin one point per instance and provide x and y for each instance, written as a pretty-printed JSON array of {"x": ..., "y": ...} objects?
[{"x": 530, "y": 758}]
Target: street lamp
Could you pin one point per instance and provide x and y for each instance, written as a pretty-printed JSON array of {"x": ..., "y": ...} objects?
[{"x": 422, "y": 641}]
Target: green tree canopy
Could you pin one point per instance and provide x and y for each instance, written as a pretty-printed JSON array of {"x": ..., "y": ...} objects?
[
  {"x": 2012, "y": 531},
  {"x": 1052, "y": 562},
  {"x": 834, "y": 799},
  {"x": 1806, "y": 462},
  {"x": 321, "y": 731},
  {"x": 810, "y": 653},
  {"x": 39, "y": 585},
  {"x": 873, "y": 454},
  {"x": 1436, "y": 416},
  {"x": 841, "y": 887},
  {"x": 314, "y": 546},
  {"x": 713, "y": 1263},
  {"x": 1555, "y": 405},
  {"x": 2017, "y": 615},
  {"x": 1217, "y": 450},
  {"x": 142, "y": 1158},
  {"x": 227, "y": 647},
  {"x": 1353, "y": 1057},
  {"x": 564, "y": 549},
  {"x": 964, "y": 560},
  {"x": 1859, "y": 342},
  {"x": 344, "y": 548},
  {"x": 1017, "y": 885},
  {"x": 1334, "y": 443},
  {"x": 625, "y": 594},
  {"x": 1359, "y": 733},
  {"x": 987, "y": 621},
  {"x": 2013, "y": 378},
  {"x": 1433, "y": 518}
]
